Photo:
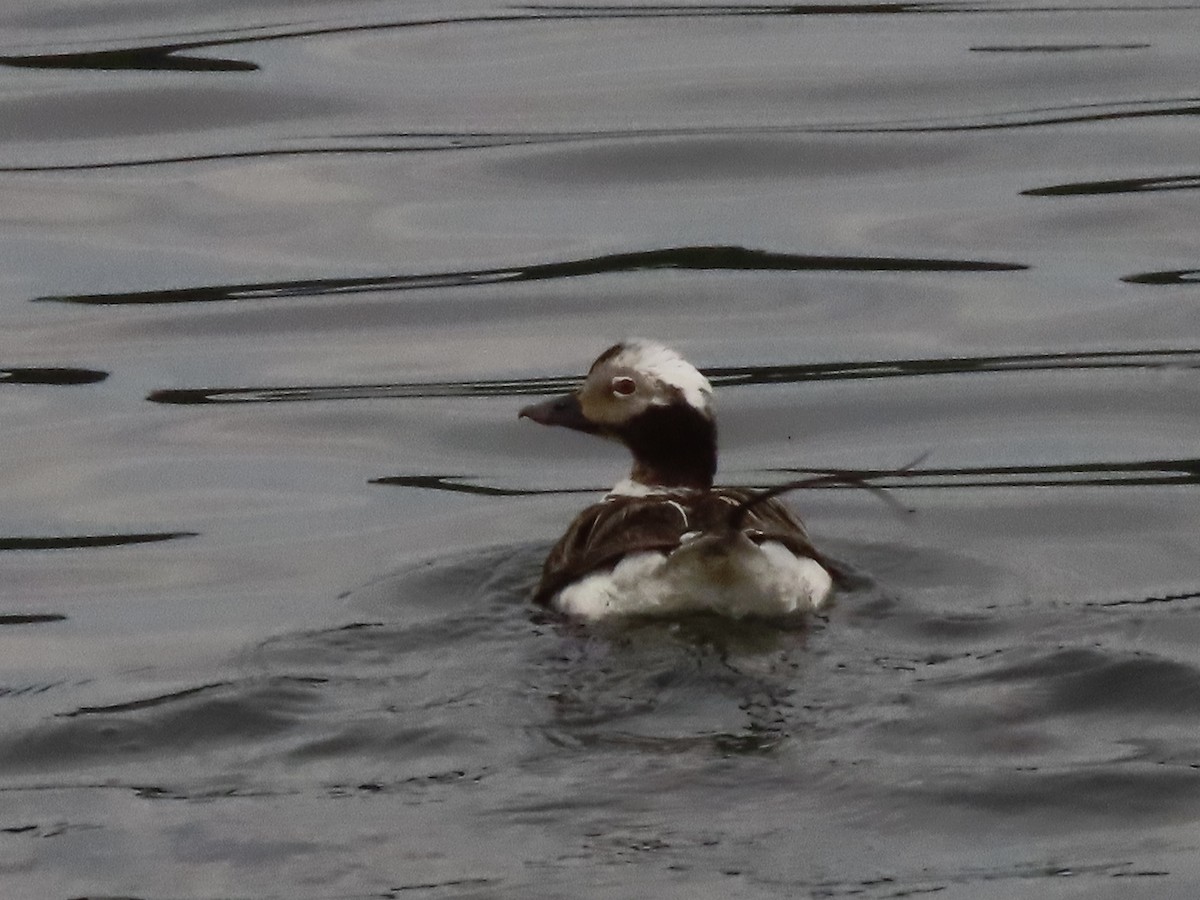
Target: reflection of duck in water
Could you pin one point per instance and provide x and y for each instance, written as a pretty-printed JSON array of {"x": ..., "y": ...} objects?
[{"x": 665, "y": 540}]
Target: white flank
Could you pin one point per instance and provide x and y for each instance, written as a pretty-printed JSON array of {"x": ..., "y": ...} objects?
[
  {"x": 745, "y": 580},
  {"x": 665, "y": 365}
]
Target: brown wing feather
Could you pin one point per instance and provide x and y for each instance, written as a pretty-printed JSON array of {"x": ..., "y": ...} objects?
[
  {"x": 607, "y": 531},
  {"x": 770, "y": 520}
]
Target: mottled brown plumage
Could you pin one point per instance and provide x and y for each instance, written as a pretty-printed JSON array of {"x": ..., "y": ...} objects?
[{"x": 605, "y": 532}]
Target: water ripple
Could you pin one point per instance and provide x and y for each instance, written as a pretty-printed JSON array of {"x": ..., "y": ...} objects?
[
  {"x": 1121, "y": 473},
  {"x": 461, "y": 484},
  {"x": 163, "y": 59},
  {"x": 1056, "y": 48},
  {"x": 384, "y": 143},
  {"x": 720, "y": 376},
  {"x": 1073, "y": 114},
  {"x": 87, "y": 541},
  {"x": 145, "y": 702},
  {"x": 1147, "y": 601},
  {"x": 165, "y": 56},
  {"x": 28, "y": 619},
  {"x": 51, "y": 375},
  {"x": 1118, "y": 186},
  {"x": 207, "y": 716},
  {"x": 710, "y": 258},
  {"x": 1177, "y": 276},
  {"x": 1075, "y": 681}
]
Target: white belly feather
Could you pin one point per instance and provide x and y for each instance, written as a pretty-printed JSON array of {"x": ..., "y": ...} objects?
[{"x": 734, "y": 578}]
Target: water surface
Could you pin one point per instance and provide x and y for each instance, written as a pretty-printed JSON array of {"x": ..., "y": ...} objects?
[{"x": 276, "y": 278}]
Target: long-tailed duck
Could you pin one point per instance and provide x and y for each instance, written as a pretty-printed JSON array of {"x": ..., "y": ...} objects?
[{"x": 665, "y": 540}]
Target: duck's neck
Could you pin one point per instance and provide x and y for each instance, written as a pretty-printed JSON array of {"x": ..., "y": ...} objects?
[{"x": 673, "y": 447}]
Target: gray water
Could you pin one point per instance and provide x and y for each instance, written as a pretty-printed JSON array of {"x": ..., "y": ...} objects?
[{"x": 275, "y": 278}]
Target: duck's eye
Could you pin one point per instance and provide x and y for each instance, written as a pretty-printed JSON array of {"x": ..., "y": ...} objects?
[{"x": 623, "y": 386}]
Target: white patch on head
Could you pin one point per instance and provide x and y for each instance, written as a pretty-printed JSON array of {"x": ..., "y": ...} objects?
[{"x": 663, "y": 364}]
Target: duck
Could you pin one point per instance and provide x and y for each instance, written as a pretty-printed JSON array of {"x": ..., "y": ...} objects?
[{"x": 665, "y": 541}]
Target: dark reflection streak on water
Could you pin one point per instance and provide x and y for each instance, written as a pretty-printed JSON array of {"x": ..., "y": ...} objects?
[
  {"x": 1118, "y": 186},
  {"x": 1057, "y": 48},
  {"x": 51, "y": 375},
  {"x": 139, "y": 790},
  {"x": 419, "y": 390},
  {"x": 429, "y": 142},
  {"x": 688, "y": 258},
  {"x": 145, "y": 703},
  {"x": 162, "y": 56},
  {"x": 1179, "y": 276},
  {"x": 1189, "y": 466},
  {"x": 901, "y": 885},
  {"x": 1115, "y": 481},
  {"x": 1086, "y": 474},
  {"x": 713, "y": 11},
  {"x": 731, "y": 376},
  {"x": 30, "y": 618},
  {"x": 434, "y": 141},
  {"x": 1025, "y": 362},
  {"x": 87, "y": 541},
  {"x": 158, "y": 792},
  {"x": 213, "y": 157},
  {"x": 456, "y": 484},
  {"x": 932, "y": 6},
  {"x": 1020, "y": 123},
  {"x": 132, "y": 59},
  {"x": 1147, "y": 601},
  {"x": 159, "y": 56},
  {"x": 1138, "y": 473},
  {"x": 435, "y": 885}
]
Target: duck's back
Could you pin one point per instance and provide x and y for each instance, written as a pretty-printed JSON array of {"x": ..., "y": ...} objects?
[{"x": 637, "y": 541}]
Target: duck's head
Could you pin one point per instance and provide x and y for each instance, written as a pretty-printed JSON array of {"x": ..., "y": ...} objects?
[{"x": 654, "y": 402}]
